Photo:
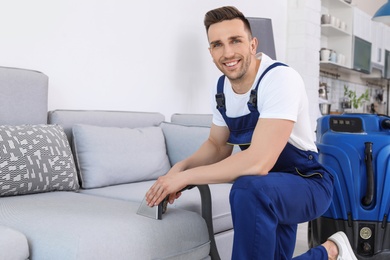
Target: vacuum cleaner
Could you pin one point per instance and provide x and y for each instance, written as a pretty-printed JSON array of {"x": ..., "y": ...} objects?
[{"x": 355, "y": 148}]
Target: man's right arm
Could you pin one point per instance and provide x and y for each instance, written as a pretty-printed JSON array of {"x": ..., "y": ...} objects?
[{"x": 213, "y": 150}]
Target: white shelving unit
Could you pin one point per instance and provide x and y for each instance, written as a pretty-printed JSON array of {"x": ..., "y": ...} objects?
[
  {"x": 335, "y": 38},
  {"x": 331, "y": 30}
]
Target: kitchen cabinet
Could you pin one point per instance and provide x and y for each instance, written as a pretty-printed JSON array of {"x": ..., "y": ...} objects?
[
  {"x": 380, "y": 59},
  {"x": 386, "y": 41},
  {"x": 387, "y": 52},
  {"x": 361, "y": 24},
  {"x": 378, "y": 44}
]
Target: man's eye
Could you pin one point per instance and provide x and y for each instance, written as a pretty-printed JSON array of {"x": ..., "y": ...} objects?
[
  {"x": 236, "y": 41},
  {"x": 216, "y": 45}
]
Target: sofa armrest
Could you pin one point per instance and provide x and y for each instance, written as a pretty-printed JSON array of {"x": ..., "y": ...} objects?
[
  {"x": 205, "y": 197},
  {"x": 13, "y": 244},
  {"x": 23, "y": 96}
]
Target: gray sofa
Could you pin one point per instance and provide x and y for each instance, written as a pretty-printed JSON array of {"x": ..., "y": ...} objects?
[{"x": 71, "y": 181}]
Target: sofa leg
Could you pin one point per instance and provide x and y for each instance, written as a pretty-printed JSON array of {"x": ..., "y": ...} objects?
[{"x": 205, "y": 197}]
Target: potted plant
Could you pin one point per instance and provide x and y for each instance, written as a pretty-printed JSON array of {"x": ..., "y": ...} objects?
[{"x": 351, "y": 101}]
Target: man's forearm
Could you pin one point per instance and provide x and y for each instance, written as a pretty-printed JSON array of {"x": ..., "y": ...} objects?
[{"x": 208, "y": 153}]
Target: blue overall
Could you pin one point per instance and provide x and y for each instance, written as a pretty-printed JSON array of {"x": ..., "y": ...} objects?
[{"x": 266, "y": 209}]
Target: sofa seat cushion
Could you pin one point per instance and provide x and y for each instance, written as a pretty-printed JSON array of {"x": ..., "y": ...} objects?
[
  {"x": 35, "y": 158},
  {"x": 190, "y": 200},
  {"x": 65, "y": 225},
  {"x": 13, "y": 244},
  {"x": 116, "y": 155}
]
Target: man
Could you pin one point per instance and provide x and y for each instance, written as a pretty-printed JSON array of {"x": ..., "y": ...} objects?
[{"x": 262, "y": 106}]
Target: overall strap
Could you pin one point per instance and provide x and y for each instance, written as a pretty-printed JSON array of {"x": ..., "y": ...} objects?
[
  {"x": 252, "y": 103},
  {"x": 220, "y": 96}
]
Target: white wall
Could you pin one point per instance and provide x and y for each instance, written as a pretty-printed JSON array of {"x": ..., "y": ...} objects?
[
  {"x": 119, "y": 54},
  {"x": 369, "y": 7},
  {"x": 304, "y": 33}
]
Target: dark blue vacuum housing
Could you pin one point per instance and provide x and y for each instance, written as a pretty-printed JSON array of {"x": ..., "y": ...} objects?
[{"x": 356, "y": 150}]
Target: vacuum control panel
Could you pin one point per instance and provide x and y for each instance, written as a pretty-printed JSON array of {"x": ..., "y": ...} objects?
[{"x": 346, "y": 124}]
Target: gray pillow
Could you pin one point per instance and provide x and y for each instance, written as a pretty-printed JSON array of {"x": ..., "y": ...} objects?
[
  {"x": 182, "y": 141},
  {"x": 34, "y": 159},
  {"x": 113, "y": 155}
]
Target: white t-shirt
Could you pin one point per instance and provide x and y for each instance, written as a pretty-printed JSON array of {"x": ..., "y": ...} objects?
[{"x": 281, "y": 95}]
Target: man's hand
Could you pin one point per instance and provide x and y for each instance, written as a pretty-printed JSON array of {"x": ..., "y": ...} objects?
[{"x": 170, "y": 184}]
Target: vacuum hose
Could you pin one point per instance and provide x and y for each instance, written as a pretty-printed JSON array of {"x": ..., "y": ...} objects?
[{"x": 368, "y": 198}]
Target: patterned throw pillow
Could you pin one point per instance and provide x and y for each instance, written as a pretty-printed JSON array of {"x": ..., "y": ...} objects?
[{"x": 35, "y": 159}]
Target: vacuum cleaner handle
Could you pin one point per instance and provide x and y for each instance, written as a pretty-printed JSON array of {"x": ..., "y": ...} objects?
[
  {"x": 368, "y": 198},
  {"x": 188, "y": 187},
  {"x": 164, "y": 204}
]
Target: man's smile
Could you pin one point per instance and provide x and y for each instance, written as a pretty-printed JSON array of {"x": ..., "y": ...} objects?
[{"x": 231, "y": 64}]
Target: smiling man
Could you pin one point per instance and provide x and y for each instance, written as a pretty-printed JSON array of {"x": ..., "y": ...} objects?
[{"x": 261, "y": 105}]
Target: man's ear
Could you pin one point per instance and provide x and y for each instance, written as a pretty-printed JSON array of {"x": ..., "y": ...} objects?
[{"x": 254, "y": 44}]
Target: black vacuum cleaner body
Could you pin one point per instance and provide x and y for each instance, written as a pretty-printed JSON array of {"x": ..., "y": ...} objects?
[{"x": 356, "y": 150}]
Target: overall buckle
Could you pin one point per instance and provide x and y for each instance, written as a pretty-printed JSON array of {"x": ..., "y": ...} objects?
[
  {"x": 253, "y": 98},
  {"x": 220, "y": 98}
]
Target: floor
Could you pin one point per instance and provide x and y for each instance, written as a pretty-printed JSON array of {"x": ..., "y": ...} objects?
[{"x": 301, "y": 244}]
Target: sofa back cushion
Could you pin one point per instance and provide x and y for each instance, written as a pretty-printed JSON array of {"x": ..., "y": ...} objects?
[
  {"x": 183, "y": 140},
  {"x": 132, "y": 119},
  {"x": 114, "y": 155},
  {"x": 34, "y": 159},
  {"x": 192, "y": 119}
]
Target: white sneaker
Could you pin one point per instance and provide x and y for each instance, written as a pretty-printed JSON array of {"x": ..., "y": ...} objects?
[{"x": 345, "y": 249}]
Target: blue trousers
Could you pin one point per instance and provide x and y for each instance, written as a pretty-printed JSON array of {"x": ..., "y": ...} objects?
[{"x": 266, "y": 211}]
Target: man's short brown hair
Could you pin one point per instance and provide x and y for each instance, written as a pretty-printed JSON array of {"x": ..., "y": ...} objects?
[{"x": 225, "y": 13}]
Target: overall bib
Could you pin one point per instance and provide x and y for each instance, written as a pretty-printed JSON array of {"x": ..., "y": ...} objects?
[{"x": 266, "y": 209}]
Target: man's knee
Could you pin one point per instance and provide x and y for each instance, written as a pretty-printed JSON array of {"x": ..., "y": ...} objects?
[{"x": 246, "y": 189}]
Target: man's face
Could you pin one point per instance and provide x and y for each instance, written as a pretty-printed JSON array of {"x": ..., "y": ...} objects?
[{"x": 231, "y": 48}]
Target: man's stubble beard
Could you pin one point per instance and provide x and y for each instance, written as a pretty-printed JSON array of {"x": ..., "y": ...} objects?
[{"x": 241, "y": 73}]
